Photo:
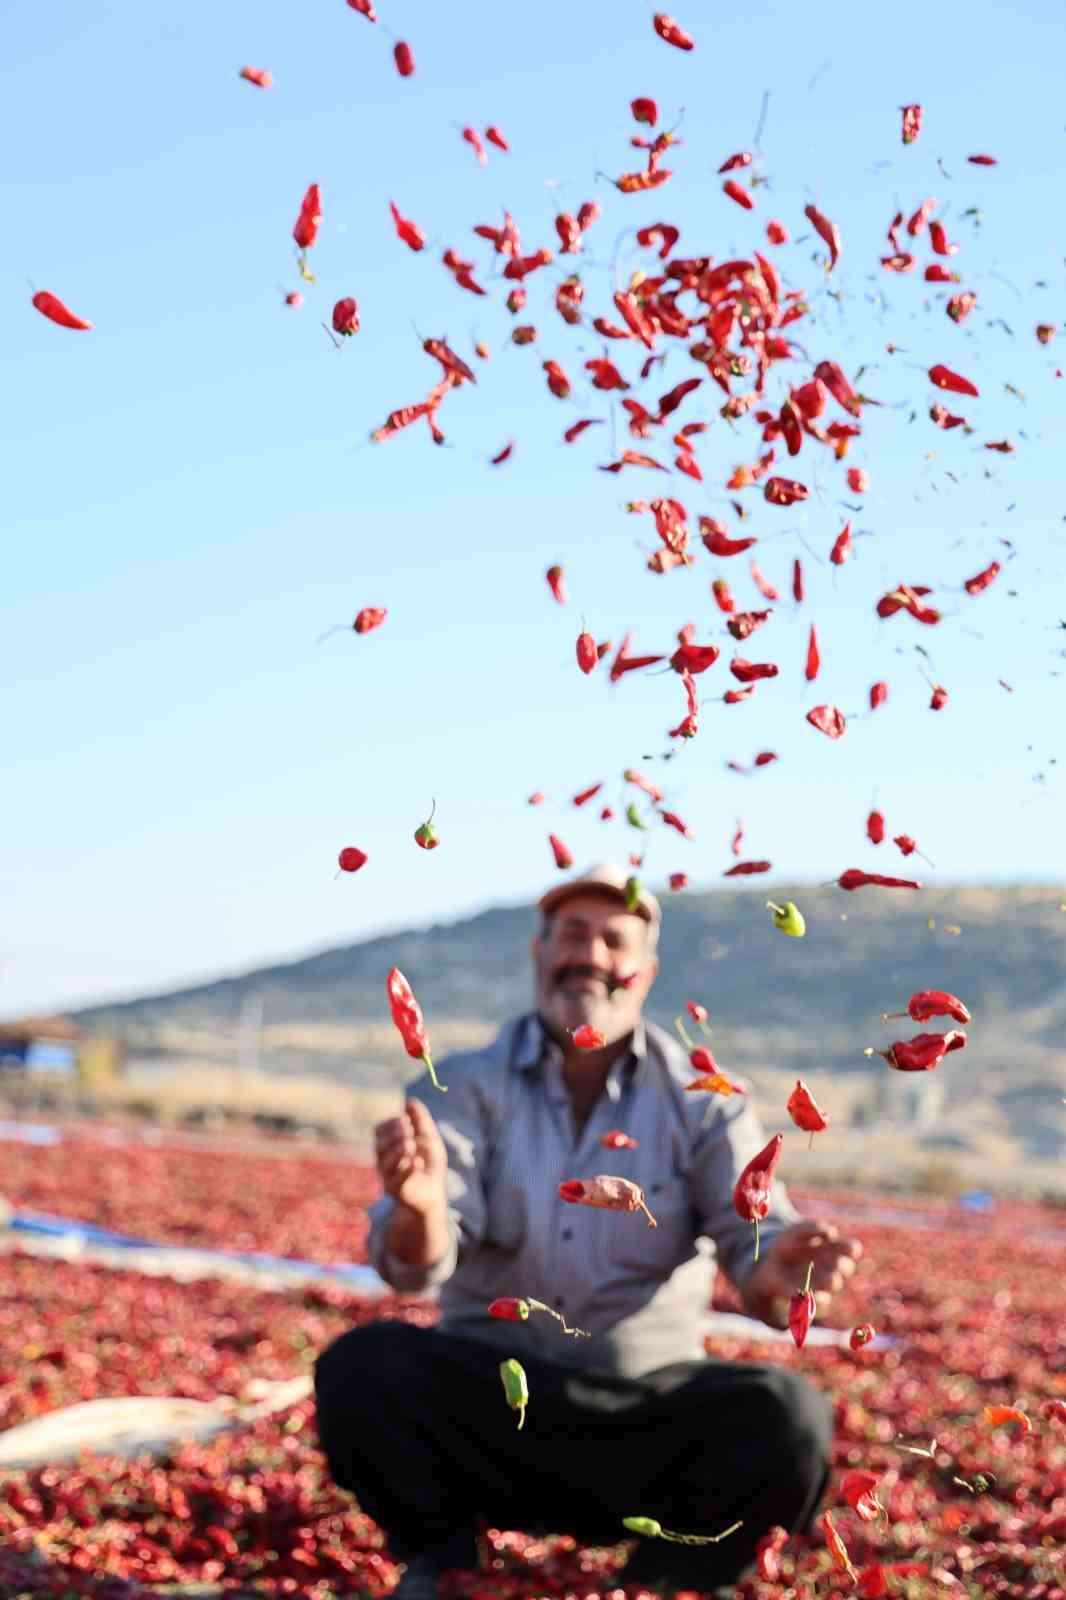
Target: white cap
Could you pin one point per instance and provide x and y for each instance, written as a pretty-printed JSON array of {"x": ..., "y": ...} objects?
[{"x": 604, "y": 879}]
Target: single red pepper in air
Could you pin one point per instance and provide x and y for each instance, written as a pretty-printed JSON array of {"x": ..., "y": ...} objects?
[
  {"x": 408, "y": 231},
  {"x": 746, "y": 869},
  {"x": 837, "y": 1548},
  {"x": 875, "y": 827},
  {"x": 776, "y": 232},
  {"x": 616, "y": 1140},
  {"x": 828, "y": 720},
  {"x": 672, "y": 32},
  {"x": 607, "y": 1194},
  {"x": 932, "y": 1003},
  {"x": 365, "y": 9},
  {"x": 260, "y": 76},
  {"x": 981, "y": 580},
  {"x": 939, "y": 698},
  {"x": 841, "y": 546},
  {"x": 922, "y": 1053},
  {"x": 858, "y": 480},
  {"x": 784, "y": 491},
  {"x": 426, "y": 836},
  {"x": 878, "y": 695},
  {"x": 814, "y": 658},
  {"x": 369, "y": 618},
  {"x": 804, "y": 1112},
  {"x": 853, "y": 879},
  {"x": 801, "y": 1309},
  {"x": 644, "y": 110},
  {"x": 953, "y": 382},
  {"x": 53, "y": 308},
  {"x": 739, "y": 194},
  {"x": 587, "y": 794},
  {"x": 672, "y": 820},
  {"x": 797, "y": 581},
  {"x": 588, "y": 654},
  {"x": 723, "y": 596},
  {"x": 587, "y": 1038},
  {"x": 407, "y": 1016},
  {"x": 912, "y": 122},
  {"x": 826, "y": 230},
  {"x": 494, "y": 136},
  {"x": 346, "y": 317},
  {"x": 404, "y": 58},
  {"x": 752, "y": 671},
  {"x": 554, "y": 576},
  {"x": 982, "y": 161},
  {"x": 473, "y": 139},
  {"x": 351, "y": 859},
  {"x": 305, "y": 229},
  {"x": 563, "y": 858},
  {"x": 751, "y": 1196}
]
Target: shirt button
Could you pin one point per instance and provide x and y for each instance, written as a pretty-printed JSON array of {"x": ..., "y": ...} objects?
[{"x": 567, "y": 1233}]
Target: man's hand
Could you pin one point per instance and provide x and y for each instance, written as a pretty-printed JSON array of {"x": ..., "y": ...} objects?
[
  {"x": 412, "y": 1160},
  {"x": 782, "y": 1270}
]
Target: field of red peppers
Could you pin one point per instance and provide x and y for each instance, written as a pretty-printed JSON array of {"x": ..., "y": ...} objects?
[{"x": 977, "y": 1308}]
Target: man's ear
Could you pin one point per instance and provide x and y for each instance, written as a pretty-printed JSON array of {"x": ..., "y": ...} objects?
[{"x": 534, "y": 947}]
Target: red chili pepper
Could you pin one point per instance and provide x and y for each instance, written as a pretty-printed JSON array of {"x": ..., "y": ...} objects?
[
  {"x": 854, "y": 879},
  {"x": 739, "y": 194},
  {"x": 536, "y": 798},
  {"x": 660, "y": 233},
  {"x": 878, "y": 695},
  {"x": 784, "y": 491},
  {"x": 875, "y": 827},
  {"x": 587, "y": 653},
  {"x": 837, "y": 1548},
  {"x": 744, "y": 623},
  {"x": 945, "y": 419},
  {"x": 999, "y": 1414},
  {"x": 257, "y": 75},
  {"x": 983, "y": 161},
  {"x": 672, "y": 32},
  {"x": 294, "y": 298},
  {"x": 861, "y": 1335},
  {"x": 745, "y": 869},
  {"x": 494, "y": 136},
  {"x": 473, "y": 139},
  {"x": 365, "y": 9},
  {"x": 404, "y": 59},
  {"x": 426, "y": 836},
  {"x": 841, "y": 546},
  {"x": 859, "y": 1490},
  {"x": 959, "y": 306},
  {"x": 932, "y": 1003},
  {"x": 924, "y": 1052},
  {"x": 797, "y": 581},
  {"x": 767, "y": 1551},
  {"x": 407, "y": 1016},
  {"x": 944, "y": 378},
  {"x": 654, "y": 793},
  {"x": 752, "y": 671},
  {"x": 723, "y": 595},
  {"x": 644, "y": 110},
  {"x": 351, "y": 859},
  {"x": 1054, "y": 1410},
  {"x": 900, "y": 262},
  {"x": 576, "y": 429},
  {"x": 554, "y": 576},
  {"x": 694, "y": 657},
  {"x": 938, "y": 240},
  {"x": 510, "y": 1310},
  {"x": 606, "y": 1193},
  {"x": 305, "y": 231},
  {"x": 776, "y": 232},
  {"x": 872, "y": 1582},
  {"x": 912, "y": 123},
  {"x": 638, "y": 182},
  {"x": 408, "y": 231},
  {"x": 616, "y": 1140},
  {"x": 346, "y": 317},
  {"x": 717, "y": 540},
  {"x": 804, "y": 1112},
  {"x": 814, "y": 659},
  {"x": 935, "y": 273},
  {"x": 751, "y": 1196},
  {"x": 586, "y": 795},
  {"x": 828, "y": 720},
  {"x": 623, "y": 663},
  {"x": 502, "y": 455},
  {"x": 678, "y": 881},
  {"x": 939, "y": 698},
  {"x": 733, "y": 697},
  {"x": 905, "y": 844},
  {"x": 801, "y": 1309},
  {"x": 672, "y": 820},
  {"x": 981, "y": 580},
  {"x": 826, "y": 230},
  {"x": 605, "y": 375},
  {"x": 858, "y": 480},
  {"x": 766, "y": 589},
  {"x": 563, "y": 858},
  {"x": 587, "y": 1037},
  {"x": 918, "y": 220},
  {"x": 1045, "y": 332}
]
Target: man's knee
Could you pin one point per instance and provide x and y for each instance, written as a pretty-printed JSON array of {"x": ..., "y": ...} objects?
[
  {"x": 792, "y": 1417},
  {"x": 366, "y": 1367}
]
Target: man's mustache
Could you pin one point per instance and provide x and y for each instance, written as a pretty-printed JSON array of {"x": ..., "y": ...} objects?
[{"x": 565, "y": 974}]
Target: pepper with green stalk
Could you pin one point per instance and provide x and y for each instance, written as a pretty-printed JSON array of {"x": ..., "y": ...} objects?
[
  {"x": 427, "y": 835},
  {"x": 634, "y": 818},
  {"x": 632, "y": 892},
  {"x": 788, "y": 918},
  {"x": 515, "y": 1387}
]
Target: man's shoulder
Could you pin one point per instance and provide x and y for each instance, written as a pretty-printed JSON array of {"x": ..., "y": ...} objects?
[{"x": 484, "y": 1065}]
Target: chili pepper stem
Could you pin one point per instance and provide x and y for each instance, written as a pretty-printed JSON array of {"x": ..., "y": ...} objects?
[
  {"x": 810, "y": 1142},
  {"x": 685, "y": 1040},
  {"x": 521, "y": 1417},
  {"x": 770, "y": 906},
  {"x": 756, "y": 1222},
  {"x": 698, "y": 1538},
  {"x": 651, "y": 1220},
  {"x": 886, "y": 1016},
  {"x": 428, "y": 1059},
  {"x": 807, "y": 1284},
  {"x": 538, "y": 1305}
]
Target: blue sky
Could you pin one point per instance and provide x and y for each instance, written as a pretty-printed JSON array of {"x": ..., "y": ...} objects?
[{"x": 192, "y": 496}]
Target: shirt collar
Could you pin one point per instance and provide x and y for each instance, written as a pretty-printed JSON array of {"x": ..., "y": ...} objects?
[{"x": 534, "y": 1046}]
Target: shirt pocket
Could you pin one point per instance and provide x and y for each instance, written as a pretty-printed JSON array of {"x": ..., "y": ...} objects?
[{"x": 641, "y": 1250}]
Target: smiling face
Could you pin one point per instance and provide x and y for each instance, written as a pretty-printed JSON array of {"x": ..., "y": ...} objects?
[{"x": 590, "y": 943}]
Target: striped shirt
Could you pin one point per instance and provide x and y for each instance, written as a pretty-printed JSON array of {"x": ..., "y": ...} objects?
[{"x": 511, "y": 1136}]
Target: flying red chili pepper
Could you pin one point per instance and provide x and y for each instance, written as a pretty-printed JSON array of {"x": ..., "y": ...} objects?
[
  {"x": 983, "y": 161},
  {"x": 672, "y": 820},
  {"x": 917, "y": 221},
  {"x": 576, "y": 429},
  {"x": 369, "y": 618},
  {"x": 905, "y": 844},
  {"x": 524, "y": 335},
  {"x": 587, "y": 794},
  {"x": 742, "y": 158},
  {"x": 637, "y": 182},
  {"x": 828, "y": 720},
  {"x": 563, "y": 857},
  {"x": 829, "y": 373},
  {"x": 814, "y": 658},
  {"x": 784, "y": 491},
  {"x": 939, "y": 698},
  {"x": 841, "y": 546},
  {"x": 509, "y": 1309},
  {"x": 718, "y": 542},
  {"x": 767, "y": 1551},
  {"x": 944, "y": 378},
  {"x": 826, "y": 230},
  {"x": 861, "y": 1335},
  {"x": 766, "y": 589},
  {"x": 859, "y": 1490},
  {"x": 365, "y": 9},
  {"x": 912, "y": 123},
  {"x": 351, "y": 859},
  {"x": 672, "y": 32},
  {"x": 1046, "y": 331},
  {"x": 494, "y": 136},
  {"x": 404, "y": 59},
  {"x": 408, "y": 231},
  {"x": 605, "y": 375},
  {"x": 959, "y": 306},
  {"x": 346, "y": 316},
  {"x": 53, "y": 308},
  {"x": 738, "y": 193},
  {"x": 938, "y": 240},
  {"x": 875, "y": 827},
  {"x": 587, "y": 653},
  {"x": 981, "y": 580},
  {"x": 698, "y": 1013},
  {"x": 837, "y": 1548},
  {"x": 803, "y": 1110},
  {"x": 554, "y": 576},
  {"x": 801, "y": 1309},
  {"x": 262, "y": 78},
  {"x": 854, "y": 879},
  {"x": 752, "y": 671},
  {"x": 587, "y": 1037},
  {"x": 945, "y": 419},
  {"x": 900, "y": 262},
  {"x": 558, "y": 382},
  {"x": 751, "y": 1196},
  {"x": 294, "y": 298},
  {"x": 607, "y": 1193},
  {"x": 502, "y": 455},
  {"x": 644, "y": 110},
  {"x": 932, "y": 1003},
  {"x": 922, "y": 1053},
  {"x": 473, "y": 139},
  {"x": 407, "y": 1016},
  {"x": 858, "y": 480},
  {"x": 776, "y": 232},
  {"x": 935, "y": 273},
  {"x": 536, "y": 798},
  {"x": 678, "y": 881},
  {"x": 744, "y": 623},
  {"x": 305, "y": 230},
  {"x": 746, "y": 869},
  {"x": 999, "y": 1414}
]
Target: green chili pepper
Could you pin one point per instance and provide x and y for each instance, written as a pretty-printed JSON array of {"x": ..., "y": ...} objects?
[
  {"x": 632, "y": 893},
  {"x": 645, "y": 1525},
  {"x": 515, "y": 1387},
  {"x": 655, "y": 1530},
  {"x": 634, "y": 818}
]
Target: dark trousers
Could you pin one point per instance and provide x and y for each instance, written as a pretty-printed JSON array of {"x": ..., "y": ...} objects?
[{"x": 414, "y": 1422}]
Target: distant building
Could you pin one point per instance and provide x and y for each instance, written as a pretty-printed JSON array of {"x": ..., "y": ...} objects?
[{"x": 56, "y": 1045}]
